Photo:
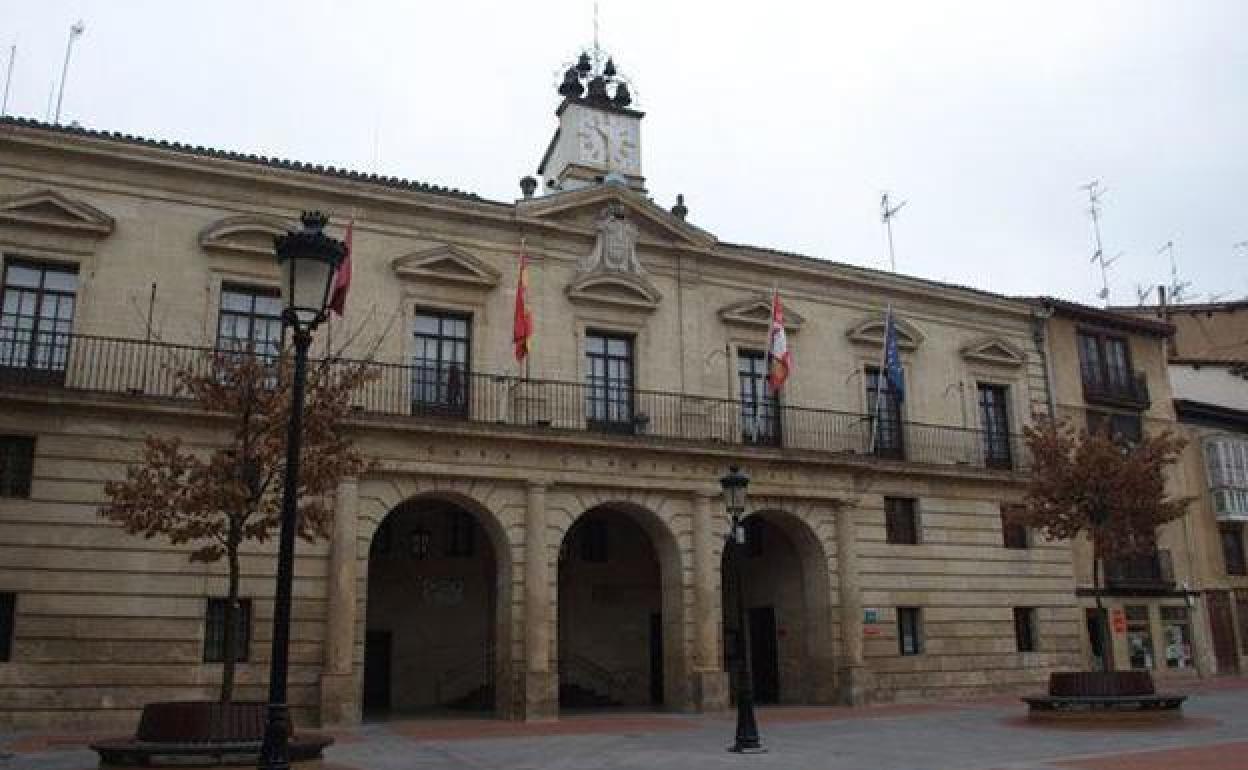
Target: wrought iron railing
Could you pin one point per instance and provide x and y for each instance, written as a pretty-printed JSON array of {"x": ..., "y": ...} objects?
[
  {"x": 146, "y": 368},
  {"x": 1132, "y": 392}
]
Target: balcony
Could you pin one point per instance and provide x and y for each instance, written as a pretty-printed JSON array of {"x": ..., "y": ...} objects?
[
  {"x": 135, "y": 368},
  {"x": 1129, "y": 394},
  {"x": 1146, "y": 572}
]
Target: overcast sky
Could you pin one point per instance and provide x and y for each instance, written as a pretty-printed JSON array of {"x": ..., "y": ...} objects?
[{"x": 781, "y": 122}]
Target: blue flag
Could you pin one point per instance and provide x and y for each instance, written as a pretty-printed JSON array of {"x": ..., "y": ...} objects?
[{"x": 892, "y": 359}]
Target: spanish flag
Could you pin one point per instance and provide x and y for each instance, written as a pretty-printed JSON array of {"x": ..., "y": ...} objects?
[
  {"x": 779, "y": 360},
  {"x": 522, "y": 328}
]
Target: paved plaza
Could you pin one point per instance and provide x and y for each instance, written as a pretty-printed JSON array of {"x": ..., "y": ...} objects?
[{"x": 979, "y": 735}]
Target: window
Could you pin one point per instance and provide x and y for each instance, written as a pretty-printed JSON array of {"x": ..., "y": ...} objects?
[
  {"x": 1013, "y": 533},
  {"x": 909, "y": 631},
  {"x": 884, "y": 417},
  {"x": 754, "y": 537},
  {"x": 214, "y": 631},
  {"x": 1226, "y": 461},
  {"x": 760, "y": 410},
  {"x": 609, "y": 382},
  {"x": 461, "y": 529},
  {"x": 1104, "y": 362},
  {"x": 250, "y": 321},
  {"x": 8, "y": 610},
  {"x": 901, "y": 524},
  {"x": 1139, "y": 636},
  {"x": 1122, "y": 427},
  {"x": 1233, "y": 549},
  {"x": 1025, "y": 629},
  {"x": 592, "y": 538},
  {"x": 1176, "y": 629},
  {"x": 440, "y": 363},
  {"x": 37, "y": 317},
  {"x": 17, "y": 465},
  {"x": 994, "y": 420}
]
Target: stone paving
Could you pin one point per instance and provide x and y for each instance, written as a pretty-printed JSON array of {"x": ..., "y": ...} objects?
[{"x": 979, "y": 735}]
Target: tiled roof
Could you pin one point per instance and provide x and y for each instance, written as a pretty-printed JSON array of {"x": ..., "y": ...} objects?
[
  {"x": 1107, "y": 317},
  {"x": 241, "y": 157}
]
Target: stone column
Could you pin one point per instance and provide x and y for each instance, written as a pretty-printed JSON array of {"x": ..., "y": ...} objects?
[
  {"x": 541, "y": 689},
  {"x": 853, "y": 673},
  {"x": 340, "y": 698},
  {"x": 710, "y": 681}
]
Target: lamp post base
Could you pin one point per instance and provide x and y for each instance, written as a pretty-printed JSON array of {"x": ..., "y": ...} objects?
[{"x": 737, "y": 748}]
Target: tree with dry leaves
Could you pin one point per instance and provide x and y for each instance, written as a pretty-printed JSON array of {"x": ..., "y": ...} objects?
[
  {"x": 1098, "y": 484},
  {"x": 215, "y": 499}
]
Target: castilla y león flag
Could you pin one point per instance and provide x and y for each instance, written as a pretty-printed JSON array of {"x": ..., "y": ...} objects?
[
  {"x": 522, "y": 328},
  {"x": 779, "y": 360},
  {"x": 342, "y": 276}
]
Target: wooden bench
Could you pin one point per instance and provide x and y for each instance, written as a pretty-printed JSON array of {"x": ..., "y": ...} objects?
[
  {"x": 1084, "y": 693},
  {"x": 201, "y": 733}
]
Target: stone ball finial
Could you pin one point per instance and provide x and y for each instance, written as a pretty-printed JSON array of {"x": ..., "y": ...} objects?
[
  {"x": 527, "y": 186},
  {"x": 680, "y": 210}
]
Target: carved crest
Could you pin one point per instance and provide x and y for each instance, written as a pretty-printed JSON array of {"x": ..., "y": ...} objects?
[{"x": 615, "y": 248}]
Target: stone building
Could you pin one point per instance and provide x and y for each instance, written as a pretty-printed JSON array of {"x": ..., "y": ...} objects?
[{"x": 527, "y": 537}]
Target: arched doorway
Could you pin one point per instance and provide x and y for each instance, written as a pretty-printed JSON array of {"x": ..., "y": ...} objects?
[
  {"x": 434, "y": 627},
  {"x": 788, "y": 611},
  {"x": 619, "y": 628}
]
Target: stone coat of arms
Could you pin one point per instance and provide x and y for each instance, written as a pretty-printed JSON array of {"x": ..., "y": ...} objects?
[{"x": 615, "y": 249}]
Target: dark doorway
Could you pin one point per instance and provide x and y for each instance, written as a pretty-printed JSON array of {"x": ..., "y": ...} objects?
[
  {"x": 656, "y": 659},
  {"x": 764, "y": 658},
  {"x": 1098, "y": 640},
  {"x": 377, "y": 671},
  {"x": 1222, "y": 626}
]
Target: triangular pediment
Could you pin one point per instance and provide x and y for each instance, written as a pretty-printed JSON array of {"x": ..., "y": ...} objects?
[
  {"x": 248, "y": 234},
  {"x": 446, "y": 263},
  {"x": 870, "y": 332},
  {"x": 50, "y": 209},
  {"x": 994, "y": 350},
  {"x": 618, "y": 289},
  {"x": 756, "y": 311},
  {"x": 578, "y": 210}
]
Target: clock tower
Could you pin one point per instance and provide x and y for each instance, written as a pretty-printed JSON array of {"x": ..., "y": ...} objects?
[{"x": 599, "y": 136}]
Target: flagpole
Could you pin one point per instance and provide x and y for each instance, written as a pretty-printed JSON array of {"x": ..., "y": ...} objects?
[{"x": 879, "y": 380}]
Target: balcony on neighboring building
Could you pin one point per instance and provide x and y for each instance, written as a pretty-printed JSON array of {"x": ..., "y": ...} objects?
[
  {"x": 1145, "y": 572},
  {"x": 1129, "y": 392},
  {"x": 447, "y": 396}
]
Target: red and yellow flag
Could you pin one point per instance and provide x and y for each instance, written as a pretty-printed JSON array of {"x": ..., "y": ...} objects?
[
  {"x": 779, "y": 360},
  {"x": 522, "y": 328},
  {"x": 342, "y": 276}
]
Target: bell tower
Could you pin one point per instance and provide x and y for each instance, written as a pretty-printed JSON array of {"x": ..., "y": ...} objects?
[{"x": 598, "y": 140}]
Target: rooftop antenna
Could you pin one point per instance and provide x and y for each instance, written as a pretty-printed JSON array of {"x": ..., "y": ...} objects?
[
  {"x": 75, "y": 32},
  {"x": 1141, "y": 294},
  {"x": 887, "y": 212},
  {"x": 8, "y": 78},
  {"x": 1178, "y": 289},
  {"x": 597, "y": 48},
  {"x": 1095, "y": 191}
]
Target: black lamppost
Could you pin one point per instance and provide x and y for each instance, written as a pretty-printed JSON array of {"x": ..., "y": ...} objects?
[
  {"x": 747, "y": 741},
  {"x": 309, "y": 260}
]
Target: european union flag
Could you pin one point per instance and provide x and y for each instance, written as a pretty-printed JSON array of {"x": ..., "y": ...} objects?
[{"x": 892, "y": 359}]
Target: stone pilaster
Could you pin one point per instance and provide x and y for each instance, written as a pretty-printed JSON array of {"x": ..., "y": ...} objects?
[
  {"x": 852, "y": 673},
  {"x": 710, "y": 681},
  {"x": 541, "y": 689},
  {"x": 340, "y": 701}
]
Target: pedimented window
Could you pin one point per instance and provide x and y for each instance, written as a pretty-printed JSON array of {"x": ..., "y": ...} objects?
[
  {"x": 50, "y": 209},
  {"x": 995, "y": 351},
  {"x": 445, "y": 263},
  {"x": 618, "y": 289},
  {"x": 250, "y": 235},
  {"x": 756, "y": 311},
  {"x": 870, "y": 333}
]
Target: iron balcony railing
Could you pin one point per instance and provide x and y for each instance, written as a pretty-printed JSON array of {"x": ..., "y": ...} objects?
[
  {"x": 1132, "y": 392},
  {"x": 147, "y": 368},
  {"x": 1149, "y": 571}
]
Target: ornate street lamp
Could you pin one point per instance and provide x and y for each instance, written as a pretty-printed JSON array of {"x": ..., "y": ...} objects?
[
  {"x": 309, "y": 260},
  {"x": 747, "y": 742}
]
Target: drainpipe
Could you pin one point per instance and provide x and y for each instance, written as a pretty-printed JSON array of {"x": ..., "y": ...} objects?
[{"x": 1039, "y": 317}]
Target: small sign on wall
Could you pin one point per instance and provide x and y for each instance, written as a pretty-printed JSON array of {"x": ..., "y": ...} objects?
[
  {"x": 870, "y": 621},
  {"x": 1118, "y": 620}
]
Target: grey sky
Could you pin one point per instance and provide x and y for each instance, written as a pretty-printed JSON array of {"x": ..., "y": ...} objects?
[{"x": 781, "y": 122}]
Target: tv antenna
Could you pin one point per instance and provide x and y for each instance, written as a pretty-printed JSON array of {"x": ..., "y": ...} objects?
[
  {"x": 887, "y": 212},
  {"x": 1095, "y": 191},
  {"x": 1178, "y": 289},
  {"x": 1141, "y": 294}
]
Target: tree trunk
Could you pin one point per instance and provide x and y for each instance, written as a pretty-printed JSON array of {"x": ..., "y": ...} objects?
[
  {"x": 231, "y": 617},
  {"x": 1102, "y": 622}
]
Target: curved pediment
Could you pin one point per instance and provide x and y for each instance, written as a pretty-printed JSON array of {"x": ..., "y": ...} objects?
[
  {"x": 51, "y": 209},
  {"x": 248, "y": 234},
  {"x": 756, "y": 311},
  {"x": 994, "y": 350},
  {"x": 446, "y": 263},
  {"x": 870, "y": 332},
  {"x": 619, "y": 289}
]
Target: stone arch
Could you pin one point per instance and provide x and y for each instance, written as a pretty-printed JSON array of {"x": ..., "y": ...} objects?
[
  {"x": 646, "y": 512},
  {"x": 492, "y": 508},
  {"x": 805, "y": 630}
]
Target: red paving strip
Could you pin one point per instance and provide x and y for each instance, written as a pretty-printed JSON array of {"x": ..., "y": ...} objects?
[
  {"x": 1218, "y": 756},
  {"x": 473, "y": 729}
]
